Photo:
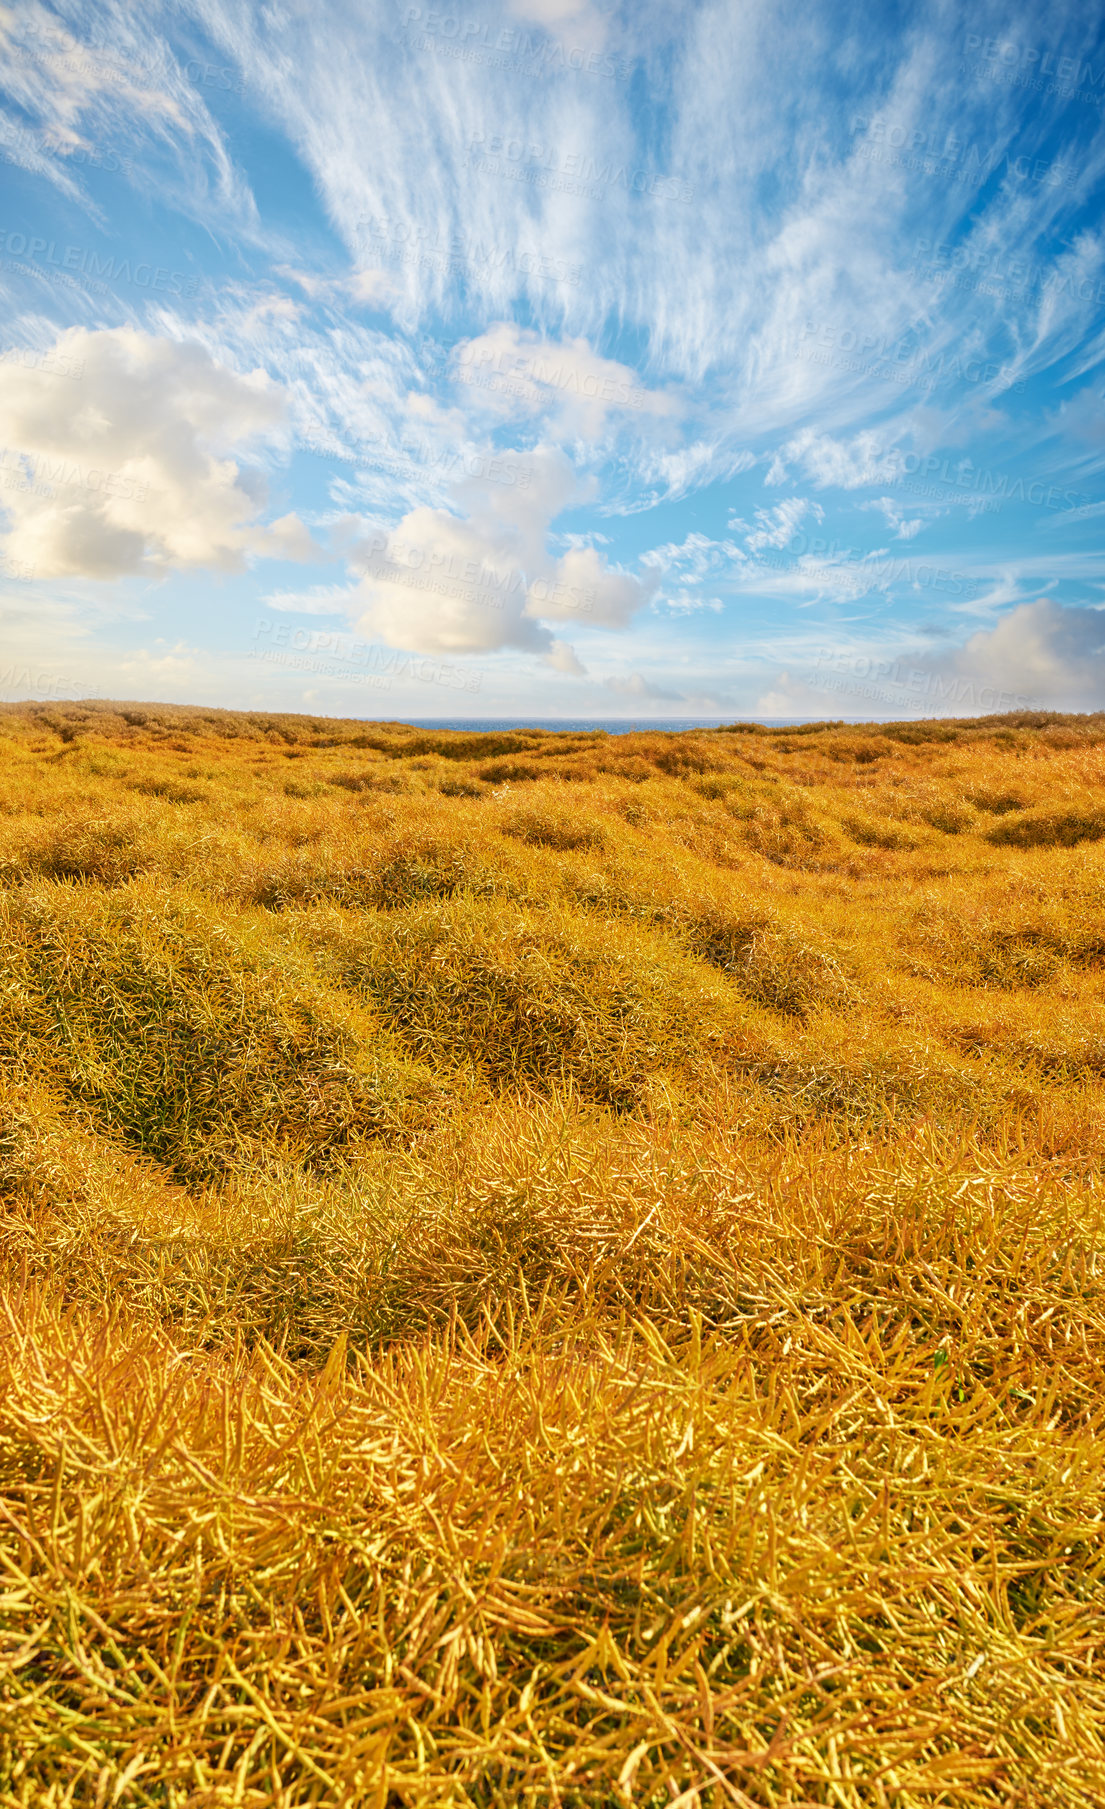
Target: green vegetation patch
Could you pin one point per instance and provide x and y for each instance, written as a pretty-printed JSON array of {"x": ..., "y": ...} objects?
[
  {"x": 547, "y": 827},
  {"x": 1022, "y": 943},
  {"x": 1050, "y": 828},
  {"x": 771, "y": 963},
  {"x": 528, "y": 998},
  {"x": 194, "y": 1049}
]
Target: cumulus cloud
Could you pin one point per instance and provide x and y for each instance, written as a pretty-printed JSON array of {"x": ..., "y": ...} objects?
[
  {"x": 437, "y": 584},
  {"x": 563, "y": 658},
  {"x": 1040, "y": 656},
  {"x": 582, "y": 583},
  {"x": 440, "y": 583},
  {"x": 1045, "y": 651},
  {"x": 135, "y": 468}
]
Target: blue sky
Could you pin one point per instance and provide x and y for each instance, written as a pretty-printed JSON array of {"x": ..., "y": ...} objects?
[{"x": 553, "y": 358}]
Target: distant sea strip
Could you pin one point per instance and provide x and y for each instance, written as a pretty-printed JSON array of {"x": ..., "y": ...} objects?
[{"x": 612, "y": 725}]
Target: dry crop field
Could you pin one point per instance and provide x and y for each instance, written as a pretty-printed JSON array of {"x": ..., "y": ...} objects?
[{"x": 551, "y": 1268}]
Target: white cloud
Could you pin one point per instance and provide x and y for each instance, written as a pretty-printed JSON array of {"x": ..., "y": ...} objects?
[
  {"x": 514, "y": 372},
  {"x": 894, "y": 517},
  {"x": 134, "y": 468},
  {"x": 1041, "y": 655},
  {"x": 691, "y": 562},
  {"x": 370, "y": 287},
  {"x": 439, "y": 583},
  {"x": 1042, "y": 650},
  {"x": 670, "y": 475},
  {"x": 563, "y": 658},
  {"x": 841, "y": 464},
  {"x": 634, "y": 684},
  {"x": 694, "y": 558},
  {"x": 778, "y": 525},
  {"x": 121, "y": 84},
  {"x": 581, "y": 584}
]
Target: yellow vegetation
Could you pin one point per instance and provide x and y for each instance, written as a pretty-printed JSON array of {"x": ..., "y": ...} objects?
[{"x": 551, "y": 1269}]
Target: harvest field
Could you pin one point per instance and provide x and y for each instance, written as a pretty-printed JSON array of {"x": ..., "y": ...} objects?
[{"x": 551, "y": 1268}]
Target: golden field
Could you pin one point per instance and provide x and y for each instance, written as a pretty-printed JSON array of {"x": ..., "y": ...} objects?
[{"x": 551, "y": 1268}]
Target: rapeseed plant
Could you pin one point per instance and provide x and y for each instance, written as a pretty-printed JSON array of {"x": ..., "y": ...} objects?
[{"x": 550, "y": 1269}]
